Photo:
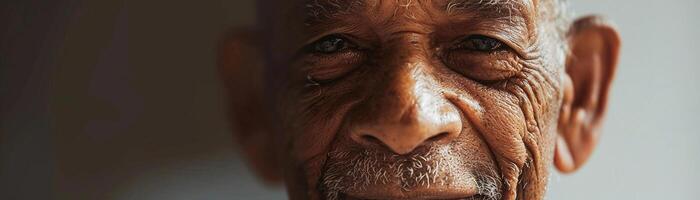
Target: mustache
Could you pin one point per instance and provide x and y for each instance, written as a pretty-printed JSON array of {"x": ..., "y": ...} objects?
[{"x": 360, "y": 169}]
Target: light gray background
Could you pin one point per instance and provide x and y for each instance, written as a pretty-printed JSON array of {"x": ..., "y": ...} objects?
[{"x": 118, "y": 99}]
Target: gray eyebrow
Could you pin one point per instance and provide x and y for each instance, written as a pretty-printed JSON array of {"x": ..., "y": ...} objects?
[{"x": 504, "y": 8}]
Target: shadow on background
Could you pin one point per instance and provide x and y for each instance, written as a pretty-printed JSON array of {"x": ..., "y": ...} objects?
[{"x": 118, "y": 99}]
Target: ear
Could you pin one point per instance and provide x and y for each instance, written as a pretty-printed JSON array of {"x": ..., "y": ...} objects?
[
  {"x": 241, "y": 67},
  {"x": 590, "y": 68}
]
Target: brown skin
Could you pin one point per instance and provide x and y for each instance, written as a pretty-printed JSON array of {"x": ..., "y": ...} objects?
[{"x": 411, "y": 100}]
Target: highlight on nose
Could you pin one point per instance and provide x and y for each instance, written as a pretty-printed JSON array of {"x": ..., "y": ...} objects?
[
  {"x": 414, "y": 111},
  {"x": 405, "y": 138}
]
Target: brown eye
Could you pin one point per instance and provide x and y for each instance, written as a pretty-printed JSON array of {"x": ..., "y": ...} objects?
[
  {"x": 480, "y": 43},
  {"x": 330, "y": 44}
]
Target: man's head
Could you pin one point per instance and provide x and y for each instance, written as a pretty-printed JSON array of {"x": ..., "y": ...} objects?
[{"x": 417, "y": 99}]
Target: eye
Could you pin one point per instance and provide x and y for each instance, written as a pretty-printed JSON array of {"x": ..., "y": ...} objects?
[
  {"x": 480, "y": 43},
  {"x": 330, "y": 58},
  {"x": 330, "y": 44},
  {"x": 483, "y": 58}
]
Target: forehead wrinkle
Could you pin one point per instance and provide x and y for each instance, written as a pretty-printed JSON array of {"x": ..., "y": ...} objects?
[
  {"x": 319, "y": 8},
  {"x": 318, "y": 11}
]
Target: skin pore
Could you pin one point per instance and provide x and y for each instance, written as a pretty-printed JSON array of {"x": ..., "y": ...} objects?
[{"x": 417, "y": 99}]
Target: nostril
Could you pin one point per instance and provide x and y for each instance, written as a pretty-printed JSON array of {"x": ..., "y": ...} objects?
[
  {"x": 438, "y": 137},
  {"x": 370, "y": 139}
]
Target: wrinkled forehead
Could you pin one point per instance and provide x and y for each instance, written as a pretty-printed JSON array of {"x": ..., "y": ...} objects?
[
  {"x": 331, "y": 4},
  {"x": 275, "y": 10}
]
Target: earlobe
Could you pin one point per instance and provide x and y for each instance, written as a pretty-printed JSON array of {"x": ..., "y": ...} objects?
[
  {"x": 241, "y": 68},
  {"x": 590, "y": 68}
]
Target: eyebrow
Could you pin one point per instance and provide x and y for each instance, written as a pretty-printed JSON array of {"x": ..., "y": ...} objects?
[{"x": 488, "y": 8}]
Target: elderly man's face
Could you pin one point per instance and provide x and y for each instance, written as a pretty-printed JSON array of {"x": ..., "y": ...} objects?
[{"x": 418, "y": 99}]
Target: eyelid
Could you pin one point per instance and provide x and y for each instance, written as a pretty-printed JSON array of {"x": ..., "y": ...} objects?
[
  {"x": 457, "y": 43},
  {"x": 352, "y": 41},
  {"x": 342, "y": 31},
  {"x": 508, "y": 42}
]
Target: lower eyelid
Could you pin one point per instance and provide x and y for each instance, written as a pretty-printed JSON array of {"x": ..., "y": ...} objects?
[
  {"x": 478, "y": 66},
  {"x": 510, "y": 65},
  {"x": 332, "y": 66}
]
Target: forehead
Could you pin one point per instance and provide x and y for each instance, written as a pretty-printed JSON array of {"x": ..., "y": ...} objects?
[
  {"x": 315, "y": 9},
  {"x": 339, "y": 5}
]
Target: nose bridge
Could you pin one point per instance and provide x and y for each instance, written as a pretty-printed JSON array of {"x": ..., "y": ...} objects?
[
  {"x": 406, "y": 78},
  {"x": 407, "y": 45}
]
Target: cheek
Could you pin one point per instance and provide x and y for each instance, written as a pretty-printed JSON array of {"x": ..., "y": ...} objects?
[
  {"x": 314, "y": 114},
  {"x": 497, "y": 117},
  {"x": 517, "y": 120}
]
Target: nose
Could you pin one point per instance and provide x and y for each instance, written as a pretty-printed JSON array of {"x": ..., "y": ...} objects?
[
  {"x": 408, "y": 113},
  {"x": 402, "y": 138},
  {"x": 406, "y": 109}
]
